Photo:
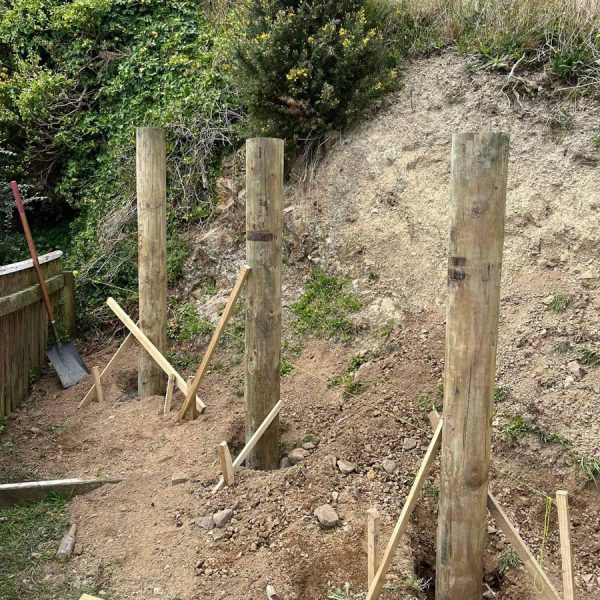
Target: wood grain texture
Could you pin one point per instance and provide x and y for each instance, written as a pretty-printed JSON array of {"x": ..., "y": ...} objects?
[
  {"x": 152, "y": 252},
  {"x": 564, "y": 528},
  {"x": 477, "y": 206},
  {"x": 373, "y": 530},
  {"x": 264, "y": 225}
]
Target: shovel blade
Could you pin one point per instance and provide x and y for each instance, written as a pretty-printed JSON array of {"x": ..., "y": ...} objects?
[{"x": 67, "y": 363}]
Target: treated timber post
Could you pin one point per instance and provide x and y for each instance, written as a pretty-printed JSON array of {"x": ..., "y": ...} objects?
[
  {"x": 264, "y": 224},
  {"x": 477, "y": 199},
  {"x": 152, "y": 252}
]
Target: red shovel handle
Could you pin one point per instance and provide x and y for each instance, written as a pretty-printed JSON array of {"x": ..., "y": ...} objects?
[{"x": 32, "y": 250}]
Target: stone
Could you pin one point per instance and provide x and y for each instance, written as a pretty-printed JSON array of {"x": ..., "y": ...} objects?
[
  {"x": 326, "y": 516},
  {"x": 371, "y": 474},
  {"x": 272, "y": 594},
  {"x": 331, "y": 461},
  {"x": 284, "y": 463},
  {"x": 207, "y": 523},
  {"x": 409, "y": 443},
  {"x": 309, "y": 445},
  {"x": 297, "y": 454},
  {"x": 346, "y": 467},
  {"x": 576, "y": 369},
  {"x": 78, "y": 549},
  {"x": 569, "y": 381},
  {"x": 179, "y": 478},
  {"x": 35, "y": 430},
  {"x": 389, "y": 466},
  {"x": 222, "y": 517}
]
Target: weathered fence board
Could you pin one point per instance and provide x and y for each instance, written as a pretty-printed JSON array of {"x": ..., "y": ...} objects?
[{"x": 24, "y": 323}]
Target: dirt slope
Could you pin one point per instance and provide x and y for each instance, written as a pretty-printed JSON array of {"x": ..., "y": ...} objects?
[{"x": 377, "y": 212}]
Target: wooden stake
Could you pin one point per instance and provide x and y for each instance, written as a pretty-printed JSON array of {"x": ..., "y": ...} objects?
[
  {"x": 226, "y": 464},
  {"x": 152, "y": 252},
  {"x": 68, "y": 307},
  {"x": 372, "y": 544},
  {"x": 251, "y": 443},
  {"x": 98, "y": 384},
  {"x": 564, "y": 527},
  {"x": 409, "y": 505},
  {"x": 169, "y": 394},
  {"x": 264, "y": 224},
  {"x": 548, "y": 591},
  {"x": 108, "y": 369},
  {"x": 161, "y": 361},
  {"x": 478, "y": 197},
  {"x": 216, "y": 336}
]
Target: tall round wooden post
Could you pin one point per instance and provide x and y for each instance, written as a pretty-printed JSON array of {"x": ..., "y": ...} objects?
[
  {"x": 264, "y": 224},
  {"x": 478, "y": 198},
  {"x": 152, "y": 252}
]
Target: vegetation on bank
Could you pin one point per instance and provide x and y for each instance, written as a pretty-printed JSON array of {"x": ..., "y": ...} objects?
[{"x": 76, "y": 77}]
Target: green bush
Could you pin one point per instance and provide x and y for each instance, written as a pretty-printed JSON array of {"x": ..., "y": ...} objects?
[{"x": 306, "y": 67}]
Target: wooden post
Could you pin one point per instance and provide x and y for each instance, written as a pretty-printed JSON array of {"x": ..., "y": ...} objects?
[
  {"x": 169, "y": 394},
  {"x": 152, "y": 252},
  {"x": 372, "y": 544},
  {"x": 564, "y": 528},
  {"x": 477, "y": 198},
  {"x": 68, "y": 307},
  {"x": 264, "y": 224},
  {"x": 98, "y": 384},
  {"x": 226, "y": 463}
]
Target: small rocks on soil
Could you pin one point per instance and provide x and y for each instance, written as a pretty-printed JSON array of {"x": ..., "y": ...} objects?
[
  {"x": 222, "y": 517},
  {"x": 297, "y": 454},
  {"x": 207, "y": 523},
  {"x": 346, "y": 467},
  {"x": 409, "y": 443},
  {"x": 326, "y": 516},
  {"x": 179, "y": 478},
  {"x": 389, "y": 466}
]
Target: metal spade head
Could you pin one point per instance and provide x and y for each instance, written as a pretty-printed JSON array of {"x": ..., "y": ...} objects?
[{"x": 67, "y": 363}]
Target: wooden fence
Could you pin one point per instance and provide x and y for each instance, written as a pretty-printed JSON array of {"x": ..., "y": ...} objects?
[{"x": 24, "y": 323}]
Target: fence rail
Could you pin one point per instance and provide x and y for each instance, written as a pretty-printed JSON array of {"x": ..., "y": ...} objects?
[{"x": 24, "y": 323}]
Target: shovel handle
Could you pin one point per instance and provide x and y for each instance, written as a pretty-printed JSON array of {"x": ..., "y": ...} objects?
[{"x": 32, "y": 250}]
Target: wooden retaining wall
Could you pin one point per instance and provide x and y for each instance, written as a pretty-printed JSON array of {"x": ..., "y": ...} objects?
[{"x": 24, "y": 322}]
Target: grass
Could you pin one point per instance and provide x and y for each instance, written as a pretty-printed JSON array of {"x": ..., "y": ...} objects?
[
  {"x": 501, "y": 394},
  {"x": 347, "y": 380},
  {"x": 518, "y": 427},
  {"x": 290, "y": 351},
  {"x": 590, "y": 467},
  {"x": 559, "y": 303},
  {"x": 431, "y": 490},
  {"x": 188, "y": 325},
  {"x": 323, "y": 308},
  {"x": 429, "y": 400},
  {"x": 588, "y": 357},
  {"x": 29, "y": 537},
  {"x": 509, "y": 559}
]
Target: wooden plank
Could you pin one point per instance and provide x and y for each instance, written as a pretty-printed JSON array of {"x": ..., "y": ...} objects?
[
  {"x": 373, "y": 528},
  {"x": 98, "y": 384},
  {"x": 161, "y": 361},
  {"x": 23, "y": 265},
  {"x": 411, "y": 500},
  {"x": 108, "y": 369},
  {"x": 548, "y": 591},
  {"x": 169, "y": 394},
  {"x": 88, "y": 597},
  {"x": 12, "y": 493},
  {"x": 216, "y": 336},
  {"x": 226, "y": 464},
  {"x": 69, "y": 309},
  {"x": 251, "y": 443},
  {"x": 29, "y": 295},
  {"x": 564, "y": 528},
  {"x": 264, "y": 233}
]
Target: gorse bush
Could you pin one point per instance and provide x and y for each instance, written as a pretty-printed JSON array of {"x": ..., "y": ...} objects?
[{"x": 306, "y": 67}]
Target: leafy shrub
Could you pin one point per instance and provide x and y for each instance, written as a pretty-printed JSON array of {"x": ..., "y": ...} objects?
[{"x": 306, "y": 67}]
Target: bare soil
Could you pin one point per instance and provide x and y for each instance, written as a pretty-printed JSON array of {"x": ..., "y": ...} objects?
[{"x": 375, "y": 211}]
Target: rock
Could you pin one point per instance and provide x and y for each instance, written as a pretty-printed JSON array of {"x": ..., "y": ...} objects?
[
  {"x": 272, "y": 594},
  {"x": 346, "y": 467},
  {"x": 388, "y": 465},
  {"x": 178, "y": 478},
  {"x": 297, "y": 454},
  {"x": 569, "y": 381},
  {"x": 576, "y": 369},
  {"x": 409, "y": 443},
  {"x": 222, "y": 517},
  {"x": 35, "y": 430},
  {"x": 284, "y": 463},
  {"x": 588, "y": 578},
  {"x": 331, "y": 461},
  {"x": 371, "y": 474},
  {"x": 207, "y": 523},
  {"x": 309, "y": 445},
  {"x": 326, "y": 516}
]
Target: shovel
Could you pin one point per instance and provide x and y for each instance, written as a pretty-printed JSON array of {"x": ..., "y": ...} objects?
[{"x": 63, "y": 357}]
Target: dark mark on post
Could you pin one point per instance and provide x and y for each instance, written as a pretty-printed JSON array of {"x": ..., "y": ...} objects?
[{"x": 259, "y": 236}]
